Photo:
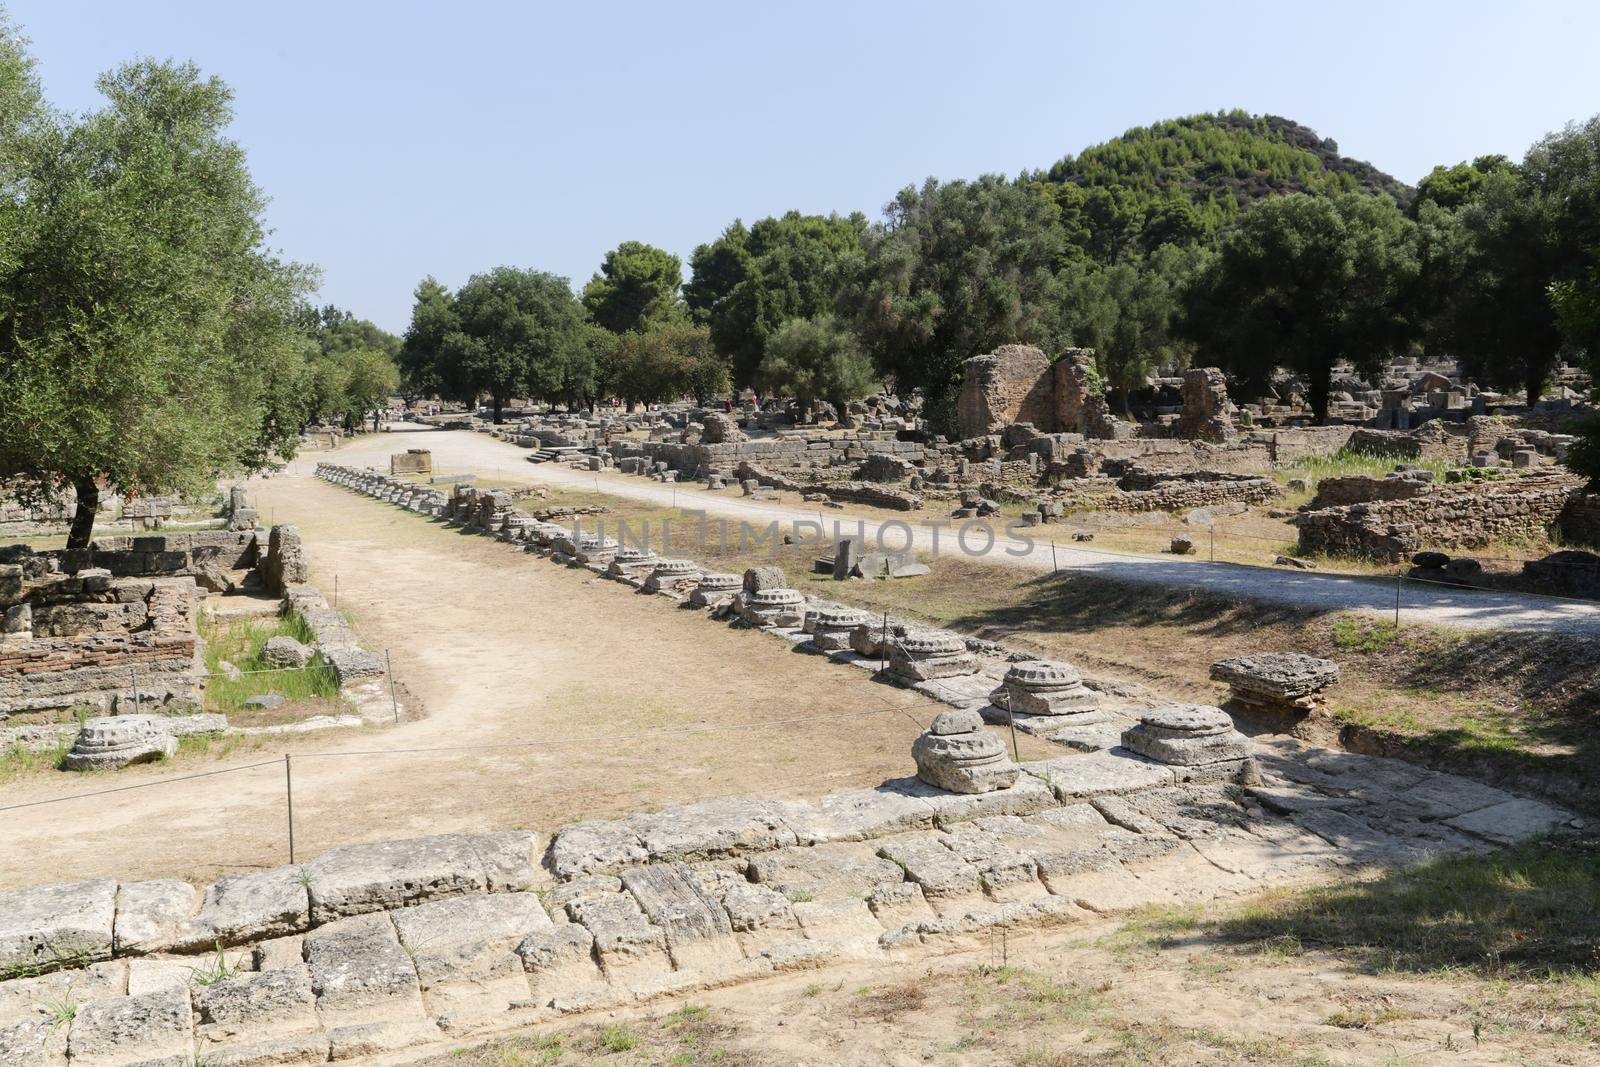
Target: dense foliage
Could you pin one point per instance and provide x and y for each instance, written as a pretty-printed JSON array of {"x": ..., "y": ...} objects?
[
  {"x": 1180, "y": 181},
  {"x": 664, "y": 362},
  {"x": 816, "y": 359},
  {"x": 505, "y": 334},
  {"x": 351, "y": 370},
  {"x": 637, "y": 287},
  {"x": 148, "y": 340}
]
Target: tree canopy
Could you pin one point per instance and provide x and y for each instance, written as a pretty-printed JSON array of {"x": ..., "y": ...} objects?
[
  {"x": 1306, "y": 282},
  {"x": 955, "y": 269},
  {"x": 636, "y": 287},
  {"x": 663, "y": 363},
  {"x": 816, "y": 359},
  {"x": 780, "y": 269},
  {"x": 150, "y": 342}
]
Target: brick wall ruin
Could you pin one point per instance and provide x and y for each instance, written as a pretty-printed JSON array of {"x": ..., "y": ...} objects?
[
  {"x": 90, "y": 641},
  {"x": 1019, "y": 383}
]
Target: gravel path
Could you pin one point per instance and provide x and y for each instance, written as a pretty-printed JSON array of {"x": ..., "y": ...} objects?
[{"x": 1475, "y": 609}]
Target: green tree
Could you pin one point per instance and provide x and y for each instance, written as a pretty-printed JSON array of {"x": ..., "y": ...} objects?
[
  {"x": 517, "y": 333},
  {"x": 148, "y": 340},
  {"x": 1452, "y": 188},
  {"x": 1126, "y": 313},
  {"x": 1305, "y": 282},
  {"x": 816, "y": 359},
  {"x": 421, "y": 354},
  {"x": 637, "y": 287},
  {"x": 1496, "y": 316},
  {"x": 714, "y": 269},
  {"x": 794, "y": 267},
  {"x": 664, "y": 363},
  {"x": 955, "y": 270},
  {"x": 352, "y": 369}
]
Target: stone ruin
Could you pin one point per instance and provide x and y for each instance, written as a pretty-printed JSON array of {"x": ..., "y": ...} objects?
[
  {"x": 957, "y": 754},
  {"x": 1019, "y": 383},
  {"x": 411, "y": 461},
  {"x": 372, "y": 948},
  {"x": 1043, "y": 687},
  {"x": 114, "y": 741},
  {"x": 1286, "y": 684},
  {"x": 1206, "y": 414}
]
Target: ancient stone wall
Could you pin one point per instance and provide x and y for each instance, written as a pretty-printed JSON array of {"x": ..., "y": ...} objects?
[
  {"x": 1205, "y": 414},
  {"x": 1447, "y": 516},
  {"x": 1364, "y": 488},
  {"x": 1013, "y": 383},
  {"x": 88, "y": 642}
]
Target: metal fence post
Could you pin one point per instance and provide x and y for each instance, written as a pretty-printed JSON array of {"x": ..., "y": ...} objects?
[
  {"x": 394, "y": 702},
  {"x": 1213, "y": 543},
  {"x": 883, "y": 645},
  {"x": 1399, "y": 581},
  {"x": 1053, "y": 567},
  {"x": 288, "y": 795}
]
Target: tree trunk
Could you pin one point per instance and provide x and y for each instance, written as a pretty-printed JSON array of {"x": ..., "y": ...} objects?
[
  {"x": 1321, "y": 386},
  {"x": 83, "y": 519},
  {"x": 1533, "y": 385},
  {"x": 497, "y": 405}
]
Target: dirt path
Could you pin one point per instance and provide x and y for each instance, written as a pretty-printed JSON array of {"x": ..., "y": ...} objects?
[
  {"x": 503, "y": 650},
  {"x": 457, "y": 450},
  {"x": 1064, "y": 999}
]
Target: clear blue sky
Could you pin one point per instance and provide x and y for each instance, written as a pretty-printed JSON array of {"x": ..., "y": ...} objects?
[{"x": 399, "y": 139}]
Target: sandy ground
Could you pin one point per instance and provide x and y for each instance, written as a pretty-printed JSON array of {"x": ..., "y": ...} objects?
[
  {"x": 1072, "y": 997},
  {"x": 457, "y": 450},
  {"x": 620, "y": 702}
]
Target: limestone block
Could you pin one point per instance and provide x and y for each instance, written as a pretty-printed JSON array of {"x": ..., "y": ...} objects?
[
  {"x": 710, "y": 828},
  {"x": 1277, "y": 680},
  {"x": 1044, "y": 687},
  {"x": 389, "y": 874},
  {"x": 21, "y": 998},
  {"x": 265, "y": 1017},
  {"x": 897, "y": 903},
  {"x": 943, "y": 876},
  {"x": 149, "y": 913},
  {"x": 628, "y": 947},
  {"x": 245, "y": 907},
  {"x": 464, "y": 949},
  {"x": 46, "y": 928},
  {"x": 847, "y": 921},
  {"x": 595, "y": 845},
  {"x": 560, "y": 961},
  {"x": 698, "y": 932},
  {"x": 858, "y": 814},
  {"x": 33, "y": 1042},
  {"x": 285, "y": 651},
  {"x": 1511, "y": 821},
  {"x": 1094, "y": 774},
  {"x": 122, "y": 1030},
  {"x": 759, "y": 915},
  {"x": 367, "y": 992}
]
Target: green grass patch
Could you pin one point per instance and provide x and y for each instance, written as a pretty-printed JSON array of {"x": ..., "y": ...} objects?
[
  {"x": 240, "y": 642},
  {"x": 1349, "y": 461}
]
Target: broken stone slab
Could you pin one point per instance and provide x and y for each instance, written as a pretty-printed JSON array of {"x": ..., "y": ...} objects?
[
  {"x": 1026, "y": 796},
  {"x": 1511, "y": 821},
  {"x": 111, "y": 742},
  {"x": 34, "y": 1042},
  {"x": 246, "y": 907},
  {"x": 1277, "y": 681},
  {"x": 759, "y": 915},
  {"x": 957, "y": 754},
  {"x": 722, "y": 826},
  {"x": 152, "y": 1028},
  {"x": 50, "y": 927},
  {"x": 698, "y": 933},
  {"x": 1100, "y": 773},
  {"x": 388, "y": 874},
  {"x": 627, "y": 945},
  {"x": 368, "y": 995},
  {"x": 848, "y": 922},
  {"x": 150, "y": 913},
  {"x": 1444, "y": 796},
  {"x": 264, "y": 1017}
]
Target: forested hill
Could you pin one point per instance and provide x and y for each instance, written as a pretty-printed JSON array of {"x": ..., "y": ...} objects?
[{"x": 1181, "y": 180}]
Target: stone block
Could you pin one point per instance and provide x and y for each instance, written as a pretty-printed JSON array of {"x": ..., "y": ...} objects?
[
  {"x": 1099, "y": 773},
  {"x": 150, "y": 913},
  {"x": 698, "y": 932},
  {"x": 560, "y": 961},
  {"x": 246, "y": 907},
  {"x": 627, "y": 945},
  {"x": 368, "y": 996},
  {"x": 389, "y": 874},
  {"x": 47, "y": 928},
  {"x": 265, "y": 1017},
  {"x": 153, "y": 1028},
  {"x": 464, "y": 949}
]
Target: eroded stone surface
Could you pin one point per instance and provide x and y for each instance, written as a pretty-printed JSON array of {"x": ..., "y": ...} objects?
[
  {"x": 957, "y": 754},
  {"x": 49, "y": 927}
]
